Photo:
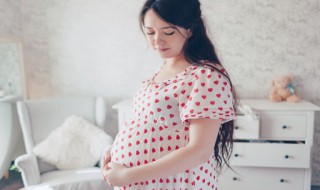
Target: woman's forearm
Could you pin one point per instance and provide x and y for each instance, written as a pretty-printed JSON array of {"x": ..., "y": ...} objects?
[{"x": 173, "y": 163}]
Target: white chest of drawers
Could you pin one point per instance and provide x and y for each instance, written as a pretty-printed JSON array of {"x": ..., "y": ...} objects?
[
  {"x": 278, "y": 156},
  {"x": 272, "y": 154}
]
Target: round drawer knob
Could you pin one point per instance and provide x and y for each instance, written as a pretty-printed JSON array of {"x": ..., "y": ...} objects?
[
  {"x": 236, "y": 127},
  {"x": 286, "y": 156},
  {"x": 282, "y": 180},
  {"x": 235, "y": 179},
  {"x": 284, "y": 127},
  {"x": 236, "y": 155}
]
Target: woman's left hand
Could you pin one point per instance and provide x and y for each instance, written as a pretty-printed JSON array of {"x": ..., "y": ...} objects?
[{"x": 117, "y": 174}]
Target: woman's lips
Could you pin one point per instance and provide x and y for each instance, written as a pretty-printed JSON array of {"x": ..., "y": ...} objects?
[{"x": 163, "y": 49}]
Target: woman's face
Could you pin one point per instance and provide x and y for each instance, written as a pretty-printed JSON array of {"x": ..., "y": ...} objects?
[{"x": 166, "y": 39}]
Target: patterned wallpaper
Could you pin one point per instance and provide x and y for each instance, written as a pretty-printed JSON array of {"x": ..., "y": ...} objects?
[
  {"x": 79, "y": 48},
  {"x": 10, "y": 68},
  {"x": 259, "y": 40}
]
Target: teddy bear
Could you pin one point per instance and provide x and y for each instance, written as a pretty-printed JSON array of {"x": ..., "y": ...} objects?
[{"x": 283, "y": 90}]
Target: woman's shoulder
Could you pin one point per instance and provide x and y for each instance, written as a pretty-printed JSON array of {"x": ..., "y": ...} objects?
[{"x": 208, "y": 67}]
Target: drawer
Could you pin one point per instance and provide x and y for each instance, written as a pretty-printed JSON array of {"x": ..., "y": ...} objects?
[
  {"x": 277, "y": 126},
  {"x": 271, "y": 155},
  {"x": 248, "y": 178},
  {"x": 246, "y": 128}
]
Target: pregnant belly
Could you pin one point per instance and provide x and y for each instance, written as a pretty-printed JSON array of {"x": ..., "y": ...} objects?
[{"x": 141, "y": 146}]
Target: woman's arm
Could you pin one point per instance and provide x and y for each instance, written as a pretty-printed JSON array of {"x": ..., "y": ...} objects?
[{"x": 202, "y": 134}]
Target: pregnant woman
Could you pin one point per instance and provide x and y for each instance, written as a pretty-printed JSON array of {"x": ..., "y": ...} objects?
[{"x": 180, "y": 134}]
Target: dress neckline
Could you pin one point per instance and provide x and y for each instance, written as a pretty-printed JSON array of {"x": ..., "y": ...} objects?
[{"x": 177, "y": 76}]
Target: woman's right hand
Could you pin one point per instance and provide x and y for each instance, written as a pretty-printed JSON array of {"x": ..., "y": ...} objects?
[{"x": 106, "y": 160}]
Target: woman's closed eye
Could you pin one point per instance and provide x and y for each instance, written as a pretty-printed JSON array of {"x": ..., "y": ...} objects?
[
  {"x": 167, "y": 31},
  {"x": 149, "y": 32}
]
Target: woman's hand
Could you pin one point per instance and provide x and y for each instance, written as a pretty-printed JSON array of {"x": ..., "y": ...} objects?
[
  {"x": 117, "y": 174},
  {"x": 106, "y": 160}
]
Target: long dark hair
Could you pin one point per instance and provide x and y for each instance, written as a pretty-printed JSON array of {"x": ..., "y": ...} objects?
[{"x": 198, "y": 50}]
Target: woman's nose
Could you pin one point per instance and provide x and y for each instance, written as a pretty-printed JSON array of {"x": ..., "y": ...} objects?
[{"x": 158, "y": 39}]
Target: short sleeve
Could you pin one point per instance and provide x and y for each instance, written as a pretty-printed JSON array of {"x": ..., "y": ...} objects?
[{"x": 207, "y": 94}]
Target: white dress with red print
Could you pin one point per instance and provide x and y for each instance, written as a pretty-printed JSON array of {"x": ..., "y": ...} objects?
[{"x": 160, "y": 125}]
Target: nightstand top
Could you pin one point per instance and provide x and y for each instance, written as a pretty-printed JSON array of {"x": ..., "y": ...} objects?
[
  {"x": 127, "y": 103},
  {"x": 265, "y": 104}
]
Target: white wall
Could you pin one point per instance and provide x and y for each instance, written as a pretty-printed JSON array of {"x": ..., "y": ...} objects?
[{"x": 79, "y": 47}]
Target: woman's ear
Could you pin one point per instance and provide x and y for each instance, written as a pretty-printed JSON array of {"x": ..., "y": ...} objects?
[{"x": 189, "y": 33}]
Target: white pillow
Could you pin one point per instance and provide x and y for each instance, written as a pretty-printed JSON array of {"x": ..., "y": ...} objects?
[{"x": 75, "y": 144}]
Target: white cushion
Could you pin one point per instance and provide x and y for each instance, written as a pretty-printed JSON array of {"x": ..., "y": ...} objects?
[{"x": 75, "y": 144}]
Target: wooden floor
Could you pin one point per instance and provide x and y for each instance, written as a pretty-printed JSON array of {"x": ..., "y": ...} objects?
[
  {"x": 315, "y": 187},
  {"x": 14, "y": 182}
]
